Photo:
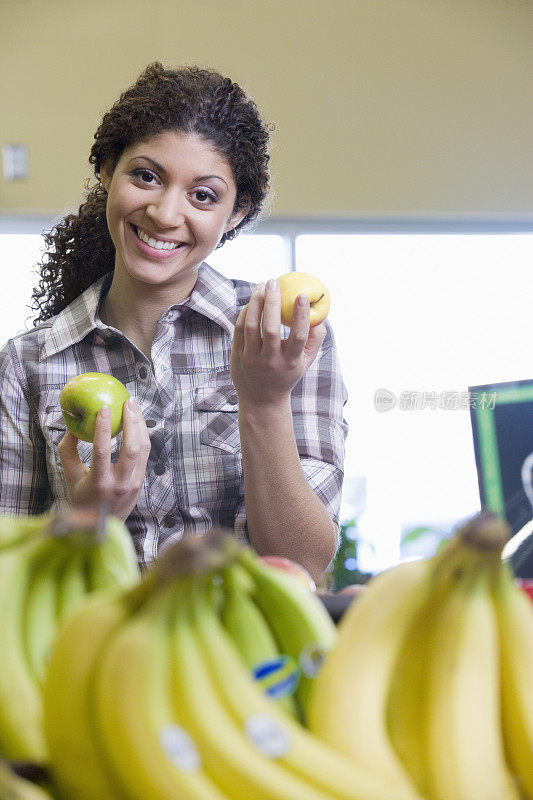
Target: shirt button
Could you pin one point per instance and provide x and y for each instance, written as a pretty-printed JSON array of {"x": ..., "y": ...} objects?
[
  {"x": 151, "y": 423},
  {"x": 233, "y": 399},
  {"x": 143, "y": 372},
  {"x": 164, "y": 369},
  {"x": 169, "y": 521},
  {"x": 159, "y": 469}
]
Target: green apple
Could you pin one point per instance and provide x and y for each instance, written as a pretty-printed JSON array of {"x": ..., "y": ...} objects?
[
  {"x": 294, "y": 283},
  {"x": 83, "y": 396}
]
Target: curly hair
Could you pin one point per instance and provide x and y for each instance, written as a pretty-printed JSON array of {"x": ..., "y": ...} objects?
[{"x": 192, "y": 100}]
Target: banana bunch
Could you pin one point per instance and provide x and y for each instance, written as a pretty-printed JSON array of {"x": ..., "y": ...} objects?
[
  {"x": 12, "y": 787},
  {"x": 48, "y": 565},
  {"x": 431, "y": 680},
  {"x": 151, "y": 694}
]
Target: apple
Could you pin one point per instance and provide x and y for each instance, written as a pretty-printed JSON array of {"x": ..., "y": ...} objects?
[
  {"x": 84, "y": 395},
  {"x": 294, "y": 283},
  {"x": 292, "y": 568}
]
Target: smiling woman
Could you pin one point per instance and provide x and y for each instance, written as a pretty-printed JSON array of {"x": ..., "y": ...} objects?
[{"x": 232, "y": 420}]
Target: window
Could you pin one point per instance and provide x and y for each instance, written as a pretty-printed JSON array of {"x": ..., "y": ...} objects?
[{"x": 423, "y": 315}]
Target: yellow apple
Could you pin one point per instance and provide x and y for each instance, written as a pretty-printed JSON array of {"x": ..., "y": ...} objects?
[{"x": 294, "y": 283}]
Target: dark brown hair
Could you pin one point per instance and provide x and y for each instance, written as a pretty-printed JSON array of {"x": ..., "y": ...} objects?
[{"x": 79, "y": 249}]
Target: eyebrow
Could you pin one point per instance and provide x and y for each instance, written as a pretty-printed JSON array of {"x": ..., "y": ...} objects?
[{"x": 160, "y": 168}]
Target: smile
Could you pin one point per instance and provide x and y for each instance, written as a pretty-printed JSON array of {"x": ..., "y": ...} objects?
[{"x": 157, "y": 244}]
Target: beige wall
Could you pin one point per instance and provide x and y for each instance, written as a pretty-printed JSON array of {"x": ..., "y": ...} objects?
[{"x": 382, "y": 107}]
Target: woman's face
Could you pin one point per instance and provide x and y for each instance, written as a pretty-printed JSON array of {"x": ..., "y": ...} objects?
[{"x": 170, "y": 200}]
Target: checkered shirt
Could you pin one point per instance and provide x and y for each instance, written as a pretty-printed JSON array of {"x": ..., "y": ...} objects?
[{"x": 194, "y": 477}]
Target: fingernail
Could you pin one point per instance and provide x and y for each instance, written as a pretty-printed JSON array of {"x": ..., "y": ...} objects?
[
  {"x": 272, "y": 285},
  {"x": 132, "y": 404},
  {"x": 105, "y": 412},
  {"x": 302, "y": 300},
  {"x": 260, "y": 288}
]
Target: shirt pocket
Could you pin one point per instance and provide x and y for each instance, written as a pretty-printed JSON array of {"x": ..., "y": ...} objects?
[{"x": 217, "y": 406}]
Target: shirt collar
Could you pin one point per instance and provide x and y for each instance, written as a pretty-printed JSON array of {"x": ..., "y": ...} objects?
[
  {"x": 213, "y": 296},
  {"x": 76, "y": 320}
]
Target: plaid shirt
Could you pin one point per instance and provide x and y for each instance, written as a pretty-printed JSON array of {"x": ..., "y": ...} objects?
[{"x": 194, "y": 475}]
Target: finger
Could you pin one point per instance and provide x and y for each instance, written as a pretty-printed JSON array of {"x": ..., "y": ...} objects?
[
  {"x": 71, "y": 462},
  {"x": 131, "y": 442},
  {"x": 101, "y": 458},
  {"x": 272, "y": 317},
  {"x": 314, "y": 342},
  {"x": 300, "y": 324},
  {"x": 252, "y": 322}
]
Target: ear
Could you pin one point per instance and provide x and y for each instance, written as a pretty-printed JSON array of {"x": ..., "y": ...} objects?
[
  {"x": 105, "y": 175},
  {"x": 238, "y": 215}
]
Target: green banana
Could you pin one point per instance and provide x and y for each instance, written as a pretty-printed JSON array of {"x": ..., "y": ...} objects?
[
  {"x": 15, "y": 530},
  {"x": 21, "y": 734},
  {"x": 77, "y": 764},
  {"x": 72, "y": 586},
  {"x": 150, "y": 752},
  {"x": 303, "y": 628},
  {"x": 254, "y": 639}
]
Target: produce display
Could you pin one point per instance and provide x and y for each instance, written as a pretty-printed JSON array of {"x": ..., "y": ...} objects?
[
  {"x": 217, "y": 675},
  {"x": 13, "y": 787},
  {"x": 84, "y": 395}
]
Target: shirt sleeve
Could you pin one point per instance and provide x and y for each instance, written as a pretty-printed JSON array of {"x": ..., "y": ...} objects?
[
  {"x": 24, "y": 487},
  {"x": 320, "y": 429}
]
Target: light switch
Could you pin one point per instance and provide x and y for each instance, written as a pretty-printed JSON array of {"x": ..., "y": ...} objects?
[{"x": 15, "y": 162}]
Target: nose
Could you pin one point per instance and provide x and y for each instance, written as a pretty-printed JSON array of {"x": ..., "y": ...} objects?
[{"x": 167, "y": 210}]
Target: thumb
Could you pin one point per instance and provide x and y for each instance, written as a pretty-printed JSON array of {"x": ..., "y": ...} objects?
[{"x": 70, "y": 460}]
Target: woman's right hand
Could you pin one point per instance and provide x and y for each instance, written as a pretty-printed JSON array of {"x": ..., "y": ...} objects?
[{"x": 117, "y": 485}]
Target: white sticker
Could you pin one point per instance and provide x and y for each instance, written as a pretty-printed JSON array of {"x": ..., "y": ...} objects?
[
  {"x": 268, "y": 735},
  {"x": 311, "y": 659},
  {"x": 180, "y": 748}
]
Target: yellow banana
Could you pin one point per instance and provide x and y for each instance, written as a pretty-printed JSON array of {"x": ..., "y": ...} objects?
[
  {"x": 462, "y": 703},
  {"x": 21, "y": 733},
  {"x": 303, "y": 628},
  {"x": 76, "y": 762},
  {"x": 150, "y": 752},
  {"x": 515, "y": 619},
  {"x": 348, "y": 703},
  {"x": 305, "y": 766},
  {"x": 278, "y": 674}
]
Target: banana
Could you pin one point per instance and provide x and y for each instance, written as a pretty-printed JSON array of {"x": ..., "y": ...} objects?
[
  {"x": 21, "y": 733},
  {"x": 303, "y": 628},
  {"x": 462, "y": 704},
  {"x": 150, "y": 752},
  {"x": 12, "y": 787},
  {"x": 77, "y": 765},
  {"x": 348, "y": 703},
  {"x": 113, "y": 560},
  {"x": 285, "y": 759},
  {"x": 515, "y": 619},
  {"x": 255, "y": 641},
  {"x": 72, "y": 584},
  {"x": 40, "y": 612},
  {"x": 234, "y": 762},
  {"x": 16, "y": 530}
]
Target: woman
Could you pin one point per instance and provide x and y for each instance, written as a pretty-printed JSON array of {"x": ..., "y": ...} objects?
[{"x": 229, "y": 423}]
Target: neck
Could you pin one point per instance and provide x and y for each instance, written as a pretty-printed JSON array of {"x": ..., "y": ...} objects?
[{"x": 134, "y": 308}]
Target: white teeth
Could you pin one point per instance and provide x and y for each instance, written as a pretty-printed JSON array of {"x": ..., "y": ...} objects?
[{"x": 155, "y": 243}]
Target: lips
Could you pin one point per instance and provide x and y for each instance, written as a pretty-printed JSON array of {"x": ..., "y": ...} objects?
[{"x": 155, "y": 247}]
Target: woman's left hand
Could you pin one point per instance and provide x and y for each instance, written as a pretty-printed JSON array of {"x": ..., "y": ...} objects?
[{"x": 264, "y": 367}]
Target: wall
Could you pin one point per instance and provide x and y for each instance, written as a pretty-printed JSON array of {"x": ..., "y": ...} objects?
[{"x": 408, "y": 108}]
